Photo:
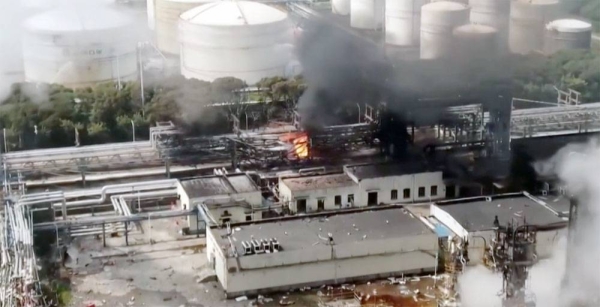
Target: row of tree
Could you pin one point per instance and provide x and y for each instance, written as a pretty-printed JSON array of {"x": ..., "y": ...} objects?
[{"x": 37, "y": 116}]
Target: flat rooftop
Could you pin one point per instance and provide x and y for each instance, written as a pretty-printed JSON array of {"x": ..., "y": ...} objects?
[
  {"x": 319, "y": 182},
  {"x": 346, "y": 228},
  {"x": 558, "y": 203},
  {"x": 378, "y": 170},
  {"x": 219, "y": 185},
  {"x": 477, "y": 214}
]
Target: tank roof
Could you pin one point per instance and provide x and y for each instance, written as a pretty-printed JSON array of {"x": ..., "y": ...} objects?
[
  {"x": 569, "y": 25},
  {"x": 233, "y": 13},
  {"x": 77, "y": 18},
  {"x": 444, "y": 6}
]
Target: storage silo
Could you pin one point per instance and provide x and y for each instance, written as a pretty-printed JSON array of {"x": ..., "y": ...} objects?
[
  {"x": 474, "y": 41},
  {"x": 167, "y": 14},
  {"x": 242, "y": 39},
  {"x": 438, "y": 20},
  {"x": 403, "y": 22},
  {"x": 79, "y": 46},
  {"x": 150, "y": 10},
  {"x": 527, "y": 21},
  {"x": 566, "y": 34},
  {"x": 367, "y": 14},
  {"x": 340, "y": 7},
  {"x": 493, "y": 13}
]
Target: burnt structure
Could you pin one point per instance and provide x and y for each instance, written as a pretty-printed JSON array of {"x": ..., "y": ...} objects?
[{"x": 512, "y": 252}]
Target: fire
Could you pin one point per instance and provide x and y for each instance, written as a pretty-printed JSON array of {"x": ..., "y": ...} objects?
[
  {"x": 301, "y": 146},
  {"x": 299, "y": 141}
]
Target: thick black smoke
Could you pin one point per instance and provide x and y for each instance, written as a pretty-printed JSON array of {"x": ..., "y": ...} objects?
[{"x": 342, "y": 69}]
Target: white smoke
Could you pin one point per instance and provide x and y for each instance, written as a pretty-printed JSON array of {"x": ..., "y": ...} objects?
[{"x": 578, "y": 168}]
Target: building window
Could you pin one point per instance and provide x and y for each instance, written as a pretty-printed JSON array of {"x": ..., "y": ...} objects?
[
  {"x": 394, "y": 194},
  {"x": 351, "y": 199},
  {"x": 372, "y": 198},
  {"x": 338, "y": 200},
  {"x": 248, "y": 217},
  {"x": 301, "y": 205},
  {"x": 421, "y": 191},
  {"x": 433, "y": 190},
  {"x": 320, "y": 204},
  {"x": 406, "y": 193}
]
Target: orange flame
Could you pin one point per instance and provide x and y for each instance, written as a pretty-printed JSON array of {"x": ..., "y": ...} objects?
[{"x": 299, "y": 140}]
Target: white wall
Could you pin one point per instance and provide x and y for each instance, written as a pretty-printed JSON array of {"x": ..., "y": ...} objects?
[
  {"x": 384, "y": 186},
  {"x": 289, "y": 197},
  {"x": 319, "y": 263}
]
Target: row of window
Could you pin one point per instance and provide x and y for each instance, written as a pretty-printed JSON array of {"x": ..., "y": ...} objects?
[{"x": 433, "y": 191}]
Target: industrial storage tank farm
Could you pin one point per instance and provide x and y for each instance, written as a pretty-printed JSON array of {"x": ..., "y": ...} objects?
[
  {"x": 241, "y": 39},
  {"x": 78, "y": 46}
]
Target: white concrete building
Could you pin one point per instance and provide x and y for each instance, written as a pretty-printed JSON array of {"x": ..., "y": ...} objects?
[
  {"x": 229, "y": 198},
  {"x": 363, "y": 185},
  {"x": 396, "y": 183},
  {"x": 294, "y": 252},
  {"x": 318, "y": 193},
  {"x": 473, "y": 218}
]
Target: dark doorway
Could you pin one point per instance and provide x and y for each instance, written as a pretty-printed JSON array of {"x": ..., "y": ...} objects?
[
  {"x": 301, "y": 205},
  {"x": 372, "y": 199},
  {"x": 450, "y": 191},
  {"x": 320, "y": 204}
]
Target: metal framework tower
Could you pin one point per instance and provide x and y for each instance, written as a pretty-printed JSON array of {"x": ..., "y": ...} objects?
[{"x": 512, "y": 252}]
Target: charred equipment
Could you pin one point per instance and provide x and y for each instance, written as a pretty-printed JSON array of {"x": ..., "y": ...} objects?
[{"x": 512, "y": 252}]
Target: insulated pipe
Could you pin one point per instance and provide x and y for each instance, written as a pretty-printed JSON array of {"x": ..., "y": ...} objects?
[
  {"x": 145, "y": 195},
  {"x": 167, "y": 183}
]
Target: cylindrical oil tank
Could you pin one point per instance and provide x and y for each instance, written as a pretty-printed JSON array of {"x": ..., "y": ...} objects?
[
  {"x": 438, "y": 20},
  {"x": 367, "y": 14},
  {"x": 493, "y": 13},
  {"x": 79, "y": 45},
  {"x": 474, "y": 41},
  {"x": 167, "y": 14},
  {"x": 527, "y": 21},
  {"x": 403, "y": 22},
  {"x": 150, "y": 10},
  {"x": 565, "y": 34},
  {"x": 340, "y": 7},
  {"x": 242, "y": 39}
]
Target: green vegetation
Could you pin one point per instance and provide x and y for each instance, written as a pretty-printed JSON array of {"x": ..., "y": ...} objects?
[
  {"x": 535, "y": 75},
  {"x": 588, "y": 9},
  {"x": 39, "y": 116}
]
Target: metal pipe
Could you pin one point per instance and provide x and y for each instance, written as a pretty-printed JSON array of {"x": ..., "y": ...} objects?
[{"x": 166, "y": 183}]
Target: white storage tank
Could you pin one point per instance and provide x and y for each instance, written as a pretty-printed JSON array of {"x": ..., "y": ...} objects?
[
  {"x": 566, "y": 34},
  {"x": 242, "y": 39},
  {"x": 438, "y": 20},
  {"x": 403, "y": 22},
  {"x": 167, "y": 14},
  {"x": 79, "y": 46},
  {"x": 474, "y": 41},
  {"x": 340, "y": 7},
  {"x": 527, "y": 21},
  {"x": 367, "y": 14},
  {"x": 150, "y": 10},
  {"x": 493, "y": 13}
]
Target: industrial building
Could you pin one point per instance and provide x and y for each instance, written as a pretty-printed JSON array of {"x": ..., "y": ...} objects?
[
  {"x": 474, "y": 219},
  {"x": 228, "y": 198},
  {"x": 363, "y": 185},
  {"x": 319, "y": 249}
]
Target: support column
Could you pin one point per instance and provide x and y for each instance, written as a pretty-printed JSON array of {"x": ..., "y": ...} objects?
[
  {"x": 126, "y": 234},
  {"x": 104, "y": 234},
  {"x": 64, "y": 209}
]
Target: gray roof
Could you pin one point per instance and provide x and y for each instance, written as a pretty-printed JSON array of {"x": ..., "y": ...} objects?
[
  {"x": 560, "y": 203},
  {"x": 318, "y": 182},
  {"x": 219, "y": 185},
  {"x": 477, "y": 214},
  {"x": 377, "y": 170},
  {"x": 303, "y": 232}
]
